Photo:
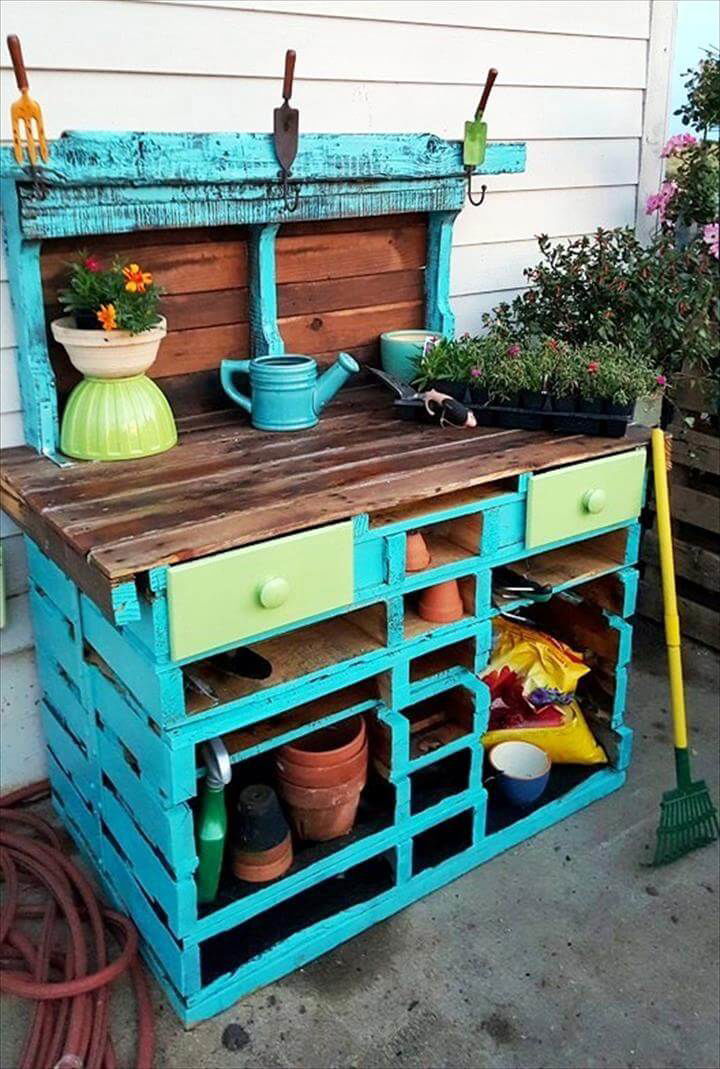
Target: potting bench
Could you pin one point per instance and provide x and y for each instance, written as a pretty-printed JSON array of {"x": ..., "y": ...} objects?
[{"x": 141, "y": 573}]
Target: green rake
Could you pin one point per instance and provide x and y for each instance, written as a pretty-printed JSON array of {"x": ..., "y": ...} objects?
[{"x": 688, "y": 818}]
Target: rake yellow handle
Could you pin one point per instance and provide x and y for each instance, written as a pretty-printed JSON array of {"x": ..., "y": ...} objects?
[{"x": 667, "y": 573}]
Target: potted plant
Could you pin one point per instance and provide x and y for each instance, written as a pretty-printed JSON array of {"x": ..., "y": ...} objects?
[
  {"x": 112, "y": 332},
  {"x": 444, "y": 366}
]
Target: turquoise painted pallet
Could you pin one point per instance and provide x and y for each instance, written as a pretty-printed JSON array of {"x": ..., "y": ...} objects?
[{"x": 125, "y": 767}]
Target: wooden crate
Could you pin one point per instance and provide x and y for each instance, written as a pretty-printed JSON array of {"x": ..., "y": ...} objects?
[{"x": 695, "y": 507}]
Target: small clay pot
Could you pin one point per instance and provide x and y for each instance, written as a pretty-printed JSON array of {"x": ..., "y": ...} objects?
[
  {"x": 441, "y": 604},
  {"x": 263, "y": 865},
  {"x": 417, "y": 554},
  {"x": 328, "y": 746},
  {"x": 261, "y": 821},
  {"x": 322, "y": 813},
  {"x": 331, "y": 775}
]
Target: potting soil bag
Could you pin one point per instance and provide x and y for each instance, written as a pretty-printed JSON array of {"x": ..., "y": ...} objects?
[
  {"x": 532, "y": 679},
  {"x": 570, "y": 743}
]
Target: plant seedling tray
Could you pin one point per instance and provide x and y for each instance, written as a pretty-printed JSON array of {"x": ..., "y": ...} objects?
[{"x": 598, "y": 424}]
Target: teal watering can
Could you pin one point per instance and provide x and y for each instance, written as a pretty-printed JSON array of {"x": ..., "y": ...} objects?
[{"x": 287, "y": 393}]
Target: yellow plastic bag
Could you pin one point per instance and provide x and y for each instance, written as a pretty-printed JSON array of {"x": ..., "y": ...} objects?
[
  {"x": 550, "y": 669},
  {"x": 569, "y": 744}
]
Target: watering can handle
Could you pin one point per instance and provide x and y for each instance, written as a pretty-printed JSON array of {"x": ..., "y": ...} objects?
[
  {"x": 489, "y": 83},
  {"x": 228, "y": 368}
]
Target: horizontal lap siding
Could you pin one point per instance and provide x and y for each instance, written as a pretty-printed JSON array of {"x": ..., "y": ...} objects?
[{"x": 571, "y": 84}]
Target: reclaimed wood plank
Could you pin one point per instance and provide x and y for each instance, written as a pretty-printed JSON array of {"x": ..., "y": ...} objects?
[
  {"x": 319, "y": 332},
  {"x": 696, "y": 563},
  {"x": 696, "y": 450},
  {"x": 696, "y": 621},
  {"x": 330, "y": 255},
  {"x": 330, "y": 295}
]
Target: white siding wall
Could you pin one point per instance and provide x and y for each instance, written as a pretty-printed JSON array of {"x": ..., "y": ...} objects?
[{"x": 572, "y": 81}]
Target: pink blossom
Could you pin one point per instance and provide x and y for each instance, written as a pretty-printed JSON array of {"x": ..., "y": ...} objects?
[
  {"x": 593, "y": 366},
  {"x": 513, "y": 350},
  {"x": 711, "y": 237},
  {"x": 661, "y": 380},
  {"x": 93, "y": 264},
  {"x": 678, "y": 144},
  {"x": 465, "y": 336},
  {"x": 659, "y": 202},
  {"x": 476, "y": 372}
]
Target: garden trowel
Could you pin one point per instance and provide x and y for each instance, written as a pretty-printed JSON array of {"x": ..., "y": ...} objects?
[
  {"x": 285, "y": 127},
  {"x": 476, "y": 130}
]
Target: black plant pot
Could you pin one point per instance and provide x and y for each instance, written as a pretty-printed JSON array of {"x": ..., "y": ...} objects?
[
  {"x": 562, "y": 419},
  {"x": 532, "y": 399},
  {"x": 616, "y": 428},
  {"x": 261, "y": 821},
  {"x": 478, "y": 395},
  {"x": 450, "y": 386},
  {"x": 591, "y": 407},
  {"x": 86, "y": 320},
  {"x": 507, "y": 418},
  {"x": 531, "y": 402}
]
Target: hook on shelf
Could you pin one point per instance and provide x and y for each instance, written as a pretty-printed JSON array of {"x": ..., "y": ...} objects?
[
  {"x": 291, "y": 202},
  {"x": 475, "y": 201}
]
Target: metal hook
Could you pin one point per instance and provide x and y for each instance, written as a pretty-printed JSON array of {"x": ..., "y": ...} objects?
[
  {"x": 42, "y": 178},
  {"x": 291, "y": 204},
  {"x": 483, "y": 190}
]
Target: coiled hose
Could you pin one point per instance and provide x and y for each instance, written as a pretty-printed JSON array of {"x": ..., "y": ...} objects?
[{"x": 63, "y": 943}]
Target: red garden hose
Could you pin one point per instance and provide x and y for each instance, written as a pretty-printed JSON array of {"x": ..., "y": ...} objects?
[{"x": 63, "y": 943}]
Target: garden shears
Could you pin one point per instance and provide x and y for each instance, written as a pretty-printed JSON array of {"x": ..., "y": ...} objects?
[{"x": 428, "y": 404}]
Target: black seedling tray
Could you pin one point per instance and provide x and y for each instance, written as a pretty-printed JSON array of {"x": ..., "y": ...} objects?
[{"x": 598, "y": 424}]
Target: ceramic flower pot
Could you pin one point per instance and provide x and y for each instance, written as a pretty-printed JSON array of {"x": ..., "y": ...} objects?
[
  {"x": 441, "y": 604},
  {"x": 522, "y": 771},
  {"x": 116, "y": 412},
  {"x": 263, "y": 865},
  {"x": 400, "y": 351},
  {"x": 417, "y": 554},
  {"x": 113, "y": 354},
  {"x": 323, "y": 813},
  {"x": 321, "y": 777}
]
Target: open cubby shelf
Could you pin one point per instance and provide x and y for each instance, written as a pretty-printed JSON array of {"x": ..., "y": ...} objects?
[
  {"x": 563, "y": 778},
  {"x": 419, "y": 513},
  {"x": 456, "y": 655},
  {"x": 292, "y": 655}
]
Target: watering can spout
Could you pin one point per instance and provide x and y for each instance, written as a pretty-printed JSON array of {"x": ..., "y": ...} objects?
[{"x": 331, "y": 380}]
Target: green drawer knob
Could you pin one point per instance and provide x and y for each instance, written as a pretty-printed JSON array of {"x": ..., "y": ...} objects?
[
  {"x": 274, "y": 592},
  {"x": 594, "y": 501}
]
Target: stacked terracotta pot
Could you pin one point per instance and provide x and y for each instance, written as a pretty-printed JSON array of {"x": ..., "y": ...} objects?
[{"x": 320, "y": 778}]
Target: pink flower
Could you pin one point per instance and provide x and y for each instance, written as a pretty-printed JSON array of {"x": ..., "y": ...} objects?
[
  {"x": 659, "y": 202},
  {"x": 593, "y": 366},
  {"x": 513, "y": 350},
  {"x": 552, "y": 344},
  {"x": 92, "y": 264},
  {"x": 465, "y": 336},
  {"x": 711, "y": 237},
  {"x": 476, "y": 372},
  {"x": 661, "y": 380},
  {"x": 678, "y": 144}
]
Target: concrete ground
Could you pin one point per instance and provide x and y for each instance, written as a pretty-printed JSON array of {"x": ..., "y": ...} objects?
[{"x": 563, "y": 952}]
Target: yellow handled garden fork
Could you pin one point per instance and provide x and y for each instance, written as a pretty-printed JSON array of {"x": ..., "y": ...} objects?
[
  {"x": 27, "y": 111},
  {"x": 688, "y": 818}
]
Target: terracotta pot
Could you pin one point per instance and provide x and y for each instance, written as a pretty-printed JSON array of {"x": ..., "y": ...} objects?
[
  {"x": 323, "y": 775},
  {"x": 101, "y": 354},
  {"x": 322, "y": 813},
  {"x": 261, "y": 866},
  {"x": 417, "y": 555},
  {"x": 441, "y": 604},
  {"x": 329, "y": 746}
]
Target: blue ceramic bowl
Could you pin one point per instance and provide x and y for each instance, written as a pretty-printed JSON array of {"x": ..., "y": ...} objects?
[
  {"x": 522, "y": 771},
  {"x": 400, "y": 351}
]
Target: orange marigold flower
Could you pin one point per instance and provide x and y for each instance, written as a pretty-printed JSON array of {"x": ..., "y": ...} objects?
[
  {"x": 107, "y": 315},
  {"x": 137, "y": 280}
]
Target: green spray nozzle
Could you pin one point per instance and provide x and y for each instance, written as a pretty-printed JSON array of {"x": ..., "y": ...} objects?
[{"x": 217, "y": 763}]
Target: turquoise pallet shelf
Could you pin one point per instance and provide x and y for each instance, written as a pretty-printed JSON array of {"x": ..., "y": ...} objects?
[{"x": 124, "y": 717}]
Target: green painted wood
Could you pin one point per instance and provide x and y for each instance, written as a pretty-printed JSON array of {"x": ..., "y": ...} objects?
[
  {"x": 559, "y": 502},
  {"x": 218, "y": 600}
]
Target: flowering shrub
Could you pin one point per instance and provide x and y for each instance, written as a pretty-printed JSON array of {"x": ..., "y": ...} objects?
[
  {"x": 122, "y": 296},
  {"x": 657, "y": 302}
]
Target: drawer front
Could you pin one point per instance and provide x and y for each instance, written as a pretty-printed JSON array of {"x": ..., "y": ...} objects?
[
  {"x": 225, "y": 599},
  {"x": 584, "y": 497}
]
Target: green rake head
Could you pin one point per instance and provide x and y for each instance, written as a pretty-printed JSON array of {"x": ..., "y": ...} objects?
[{"x": 688, "y": 818}]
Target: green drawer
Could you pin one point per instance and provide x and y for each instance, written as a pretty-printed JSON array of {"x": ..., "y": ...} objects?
[
  {"x": 583, "y": 498},
  {"x": 225, "y": 599}
]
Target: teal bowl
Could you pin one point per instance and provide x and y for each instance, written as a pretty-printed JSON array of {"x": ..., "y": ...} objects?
[{"x": 400, "y": 351}]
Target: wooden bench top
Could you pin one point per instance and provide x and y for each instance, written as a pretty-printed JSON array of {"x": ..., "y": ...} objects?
[{"x": 227, "y": 485}]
